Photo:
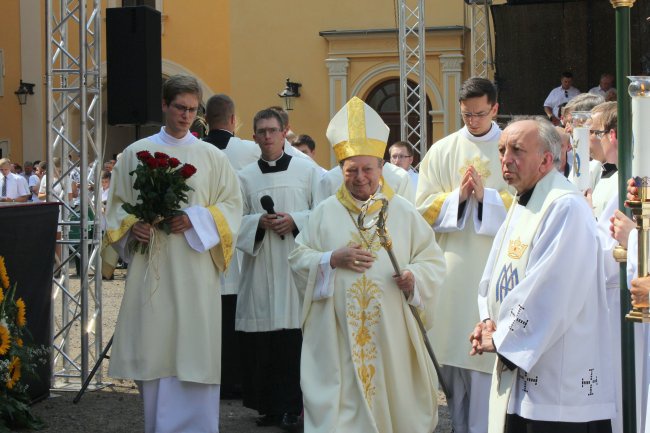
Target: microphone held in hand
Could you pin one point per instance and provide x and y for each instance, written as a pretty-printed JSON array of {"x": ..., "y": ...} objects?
[{"x": 267, "y": 204}]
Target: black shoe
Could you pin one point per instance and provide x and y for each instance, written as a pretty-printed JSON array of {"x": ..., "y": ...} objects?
[
  {"x": 290, "y": 422},
  {"x": 268, "y": 420}
]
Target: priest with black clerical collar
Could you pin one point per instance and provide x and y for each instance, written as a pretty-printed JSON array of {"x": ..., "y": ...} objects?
[
  {"x": 542, "y": 298},
  {"x": 278, "y": 195}
]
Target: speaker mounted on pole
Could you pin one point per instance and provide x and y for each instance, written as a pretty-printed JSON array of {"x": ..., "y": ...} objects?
[{"x": 134, "y": 66}]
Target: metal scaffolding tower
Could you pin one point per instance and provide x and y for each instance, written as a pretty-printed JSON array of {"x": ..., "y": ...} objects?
[
  {"x": 73, "y": 49},
  {"x": 412, "y": 77},
  {"x": 481, "y": 37}
]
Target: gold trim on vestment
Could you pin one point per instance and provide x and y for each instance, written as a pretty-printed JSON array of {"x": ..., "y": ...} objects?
[
  {"x": 432, "y": 212},
  {"x": 506, "y": 197},
  {"x": 350, "y": 203},
  {"x": 113, "y": 236},
  {"x": 222, "y": 253},
  {"x": 109, "y": 256}
]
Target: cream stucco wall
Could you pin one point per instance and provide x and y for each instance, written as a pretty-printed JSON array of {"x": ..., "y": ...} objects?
[{"x": 266, "y": 51}]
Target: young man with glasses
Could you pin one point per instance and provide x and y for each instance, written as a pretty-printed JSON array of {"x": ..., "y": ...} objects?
[
  {"x": 168, "y": 333},
  {"x": 604, "y": 202},
  {"x": 401, "y": 155},
  {"x": 463, "y": 197},
  {"x": 559, "y": 97},
  {"x": 278, "y": 195}
]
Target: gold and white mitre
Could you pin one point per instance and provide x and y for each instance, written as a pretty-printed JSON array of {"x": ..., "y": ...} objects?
[{"x": 357, "y": 130}]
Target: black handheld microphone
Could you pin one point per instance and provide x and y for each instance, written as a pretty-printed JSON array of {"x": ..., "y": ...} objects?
[{"x": 267, "y": 204}]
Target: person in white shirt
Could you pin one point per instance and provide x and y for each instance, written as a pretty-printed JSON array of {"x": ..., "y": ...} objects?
[
  {"x": 559, "y": 97},
  {"x": 13, "y": 187},
  {"x": 606, "y": 83}
]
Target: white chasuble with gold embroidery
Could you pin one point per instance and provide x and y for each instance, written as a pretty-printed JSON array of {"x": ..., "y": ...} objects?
[
  {"x": 544, "y": 288},
  {"x": 364, "y": 367},
  {"x": 465, "y": 239}
]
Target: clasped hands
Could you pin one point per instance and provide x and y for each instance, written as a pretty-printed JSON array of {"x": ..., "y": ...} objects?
[
  {"x": 481, "y": 337},
  {"x": 281, "y": 223},
  {"x": 177, "y": 224},
  {"x": 471, "y": 183},
  {"x": 358, "y": 259}
]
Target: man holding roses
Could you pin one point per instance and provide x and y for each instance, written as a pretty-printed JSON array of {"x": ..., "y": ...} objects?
[{"x": 168, "y": 333}]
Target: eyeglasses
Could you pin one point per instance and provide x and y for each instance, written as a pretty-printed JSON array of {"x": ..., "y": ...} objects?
[
  {"x": 400, "y": 157},
  {"x": 470, "y": 116},
  {"x": 183, "y": 108},
  {"x": 566, "y": 93},
  {"x": 263, "y": 131},
  {"x": 598, "y": 133}
]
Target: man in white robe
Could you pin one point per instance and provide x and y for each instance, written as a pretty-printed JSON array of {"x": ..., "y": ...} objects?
[
  {"x": 268, "y": 306},
  {"x": 168, "y": 331},
  {"x": 463, "y": 197},
  {"x": 221, "y": 119},
  {"x": 364, "y": 366},
  {"x": 542, "y": 298},
  {"x": 604, "y": 203}
]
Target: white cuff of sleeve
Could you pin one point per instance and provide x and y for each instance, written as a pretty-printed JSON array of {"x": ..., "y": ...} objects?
[
  {"x": 324, "y": 287},
  {"x": 415, "y": 299},
  {"x": 448, "y": 220},
  {"x": 494, "y": 213},
  {"x": 204, "y": 234},
  {"x": 122, "y": 247}
]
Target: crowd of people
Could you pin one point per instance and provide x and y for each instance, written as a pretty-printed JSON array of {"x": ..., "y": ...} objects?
[{"x": 296, "y": 288}]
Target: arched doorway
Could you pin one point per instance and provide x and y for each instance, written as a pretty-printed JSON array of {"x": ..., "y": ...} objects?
[{"x": 384, "y": 99}]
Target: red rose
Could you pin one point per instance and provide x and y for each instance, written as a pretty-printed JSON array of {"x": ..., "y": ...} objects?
[
  {"x": 152, "y": 162},
  {"x": 173, "y": 162},
  {"x": 143, "y": 155},
  {"x": 187, "y": 170},
  {"x": 160, "y": 155},
  {"x": 162, "y": 162}
]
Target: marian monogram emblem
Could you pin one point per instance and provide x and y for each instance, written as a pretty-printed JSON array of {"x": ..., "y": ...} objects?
[
  {"x": 516, "y": 249},
  {"x": 481, "y": 167},
  {"x": 508, "y": 279}
]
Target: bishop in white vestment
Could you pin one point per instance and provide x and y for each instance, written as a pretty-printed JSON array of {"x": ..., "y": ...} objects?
[{"x": 364, "y": 366}]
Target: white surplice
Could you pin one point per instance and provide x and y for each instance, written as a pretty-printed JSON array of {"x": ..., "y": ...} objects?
[
  {"x": 268, "y": 297},
  {"x": 553, "y": 319}
]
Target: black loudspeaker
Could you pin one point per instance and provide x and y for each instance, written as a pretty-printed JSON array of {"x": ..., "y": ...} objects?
[{"x": 134, "y": 67}]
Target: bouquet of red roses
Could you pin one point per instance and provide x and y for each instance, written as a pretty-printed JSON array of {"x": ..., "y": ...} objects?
[{"x": 161, "y": 182}]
